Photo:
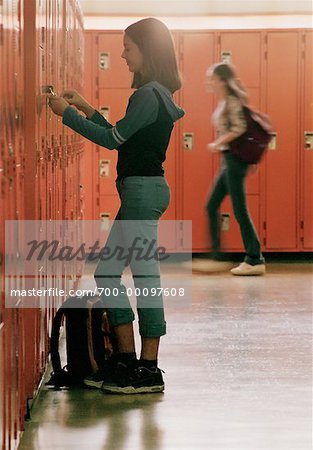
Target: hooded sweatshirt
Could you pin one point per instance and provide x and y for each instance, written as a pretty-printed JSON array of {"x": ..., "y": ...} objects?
[{"x": 141, "y": 137}]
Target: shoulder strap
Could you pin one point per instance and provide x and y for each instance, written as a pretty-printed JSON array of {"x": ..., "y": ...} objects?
[
  {"x": 54, "y": 341},
  {"x": 90, "y": 304},
  {"x": 55, "y": 334}
]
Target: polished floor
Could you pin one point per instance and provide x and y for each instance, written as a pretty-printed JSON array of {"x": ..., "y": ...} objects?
[{"x": 238, "y": 374}]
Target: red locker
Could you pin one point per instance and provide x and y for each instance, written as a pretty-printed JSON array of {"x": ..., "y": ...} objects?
[
  {"x": 243, "y": 49},
  {"x": 88, "y": 183},
  {"x": 307, "y": 146},
  {"x": 282, "y": 96},
  {"x": 112, "y": 104},
  {"x": 197, "y": 129},
  {"x": 113, "y": 71},
  {"x": 171, "y": 174},
  {"x": 172, "y": 162},
  {"x": 112, "y": 91},
  {"x": 109, "y": 206}
]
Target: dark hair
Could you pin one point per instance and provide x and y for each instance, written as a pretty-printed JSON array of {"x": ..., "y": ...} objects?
[
  {"x": 227, "y": 73},
  {"x": 156, "y": 45}
]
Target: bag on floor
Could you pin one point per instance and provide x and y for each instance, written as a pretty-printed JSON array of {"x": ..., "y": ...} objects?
[
  {"x": 251, "y": 146},
  {"x": 89, "y": 342}
]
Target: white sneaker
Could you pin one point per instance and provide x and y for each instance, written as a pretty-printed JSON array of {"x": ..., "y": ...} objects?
[{"x": 248, "y": 269}]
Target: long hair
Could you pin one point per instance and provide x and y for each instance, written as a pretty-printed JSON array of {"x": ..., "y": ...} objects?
[
  {"x": 155, "y": 43},
  {"x": 226, "y": 72}
]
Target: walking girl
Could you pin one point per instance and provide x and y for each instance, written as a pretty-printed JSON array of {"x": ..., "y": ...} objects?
[{"x": 230, "y": 123}]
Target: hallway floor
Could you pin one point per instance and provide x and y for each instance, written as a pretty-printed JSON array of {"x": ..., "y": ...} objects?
[{"x": 238, "y": 375}]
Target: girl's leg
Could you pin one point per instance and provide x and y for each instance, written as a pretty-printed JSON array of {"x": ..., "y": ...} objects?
[
  {"x": 217, "y": 195},
  {"x": 149, "y": 348},
  {"x": 143, "y": 202},
  {"x": 236, "y": 173},
  {"x": 108, "y": 277},
  {"x": 148, "y": 200}
]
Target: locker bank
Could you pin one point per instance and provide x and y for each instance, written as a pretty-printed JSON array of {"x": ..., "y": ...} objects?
[{"x": 237, "y": 356}]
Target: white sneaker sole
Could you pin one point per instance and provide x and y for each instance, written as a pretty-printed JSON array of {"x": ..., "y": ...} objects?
[
  {"x": 247, "y": 273},
  {"x": 131, "y": 390}
]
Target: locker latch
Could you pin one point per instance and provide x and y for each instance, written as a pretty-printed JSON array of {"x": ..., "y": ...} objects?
[
  {"x": 48, "y": 89},
  {"x": 105, "y": 112},
  {"x": 308, "y": 140},
  {"x": 104, "y": 167},
  {"x": 273, "y": 142},
  {"x": 188, "y": 141},
  {"x": 226, "y": 56},
  {"x": 225, "y": 221},
  {"x": 104, "y": 60},
  {"x": 105, "y": 221}
]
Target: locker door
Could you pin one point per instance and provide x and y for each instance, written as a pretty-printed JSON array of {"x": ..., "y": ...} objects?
[
  {"x": 307, "y": 149},
  {"x": 112, "y": 104},
  {"x": 281, "y": 193},
  {"x": 197, "y": 133},
  {"x": 109, "y": 206},
  {"x": 243, "y": 50},
  {"x": 171, "y": 164},
  {"x": 113, "y": 70},
  {"x": 89, "y": 182},
  {"x": 170, "y": 173}
]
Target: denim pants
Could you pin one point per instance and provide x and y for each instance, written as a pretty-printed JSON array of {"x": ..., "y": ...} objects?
[
  {"x": 143, "y": 201},
  {"x": 231, "y": 180}
]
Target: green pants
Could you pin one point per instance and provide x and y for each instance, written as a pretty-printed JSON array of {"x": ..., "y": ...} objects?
[
  {"x": 143, "y": 201},
  {"x": 231, "y": 180}
]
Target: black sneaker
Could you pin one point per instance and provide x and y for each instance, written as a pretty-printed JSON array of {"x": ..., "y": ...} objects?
[
  {"x": 137, "y": 381},
  {"x": 95, "y": 380},
  {"x": 112, "y": 372}
]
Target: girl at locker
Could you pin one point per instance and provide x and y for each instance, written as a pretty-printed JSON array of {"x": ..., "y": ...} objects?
[
  {"x": 230, "y": 123},
  {"x": 141, "y": 139}
]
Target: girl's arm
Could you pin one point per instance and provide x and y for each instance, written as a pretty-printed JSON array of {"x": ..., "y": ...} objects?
[{"x": 142, "y": 110}]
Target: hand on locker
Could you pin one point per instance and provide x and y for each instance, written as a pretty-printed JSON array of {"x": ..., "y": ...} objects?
[
  {"x": 58, "y": 104},
  {"x": 75, "y": 99}
]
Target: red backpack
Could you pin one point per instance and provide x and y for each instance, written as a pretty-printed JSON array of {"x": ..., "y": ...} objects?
[{"x": 251, "y": 146}]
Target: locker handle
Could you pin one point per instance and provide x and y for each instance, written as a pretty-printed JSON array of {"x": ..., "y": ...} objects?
[
  {"x": 308, "y": 140},
  {"x": 48, "y": 89},
  {"x": 104, "y": 60},
  {"x": 188, "y": 141},
  {"x": 273, "y": 142}
]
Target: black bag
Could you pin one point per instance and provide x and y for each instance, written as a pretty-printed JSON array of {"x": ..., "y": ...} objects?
[
  {"x": 89, "y": 342},
  {"x": 250, "y": 146}
]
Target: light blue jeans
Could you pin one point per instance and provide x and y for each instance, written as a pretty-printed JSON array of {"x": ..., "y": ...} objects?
[{"x": 143, "y": 201}]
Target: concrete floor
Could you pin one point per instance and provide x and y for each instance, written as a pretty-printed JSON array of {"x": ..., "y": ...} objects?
[{"x": 238, "y": 374}]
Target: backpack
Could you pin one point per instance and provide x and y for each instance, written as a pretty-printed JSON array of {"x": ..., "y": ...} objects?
[
  {"x": 89, "y": 342},
  {"x": 251, "y": 146}
]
